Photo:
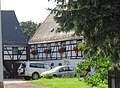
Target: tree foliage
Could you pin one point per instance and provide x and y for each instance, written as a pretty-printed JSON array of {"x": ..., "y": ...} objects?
[
  {"x": 100, "y": 75},
  {"x": 29, "y": 28},
  {"x": 98, "y": 21}
]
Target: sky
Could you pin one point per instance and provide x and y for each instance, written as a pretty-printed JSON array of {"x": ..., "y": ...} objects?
[{"x": 26, "y": 10}]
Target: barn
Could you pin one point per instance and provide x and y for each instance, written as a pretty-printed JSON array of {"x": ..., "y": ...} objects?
[{"x": 14, "y": 43}]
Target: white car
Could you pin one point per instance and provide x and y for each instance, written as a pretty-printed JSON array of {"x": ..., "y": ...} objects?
[
  {"x": 61, "y": 71},
  {"x": 32, "y": 69}
]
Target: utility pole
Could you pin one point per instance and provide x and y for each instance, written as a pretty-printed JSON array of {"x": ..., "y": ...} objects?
[{"x": 1, "y": 59}]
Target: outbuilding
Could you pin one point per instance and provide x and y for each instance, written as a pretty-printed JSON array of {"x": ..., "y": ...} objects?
[{"x": 14, "y": 43}]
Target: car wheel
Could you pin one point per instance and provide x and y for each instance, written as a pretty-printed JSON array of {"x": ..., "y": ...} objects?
[
  {"x": 27, "y": 78},
  {"x": 54, "y": 75},
  {"x": 75, "y": 75},
  {"x": 35, "y": 76}
]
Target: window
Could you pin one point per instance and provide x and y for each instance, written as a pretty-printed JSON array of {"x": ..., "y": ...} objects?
[
  {"x": 47, "y": 66},
  {"x": 64, "y": 69},
  {"x": 48, "y": 46},
  {"x": 33, "y": 65},
  {"x": 52, "y": 29},
  {"x": 37, "y": 65},
  {"x": 15, "y": 50},
  {"x": 40, "y": 65},
  {"x": 61, "y": 70},
  {"x": 71, "y": 69},
  {"x": 19, "y": 52},
  {"x": 63, "y": 44}
]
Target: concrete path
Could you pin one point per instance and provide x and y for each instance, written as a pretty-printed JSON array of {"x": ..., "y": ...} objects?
[
  {"x": 19, "y": 83},
  {"x": 11, "y": 81}
]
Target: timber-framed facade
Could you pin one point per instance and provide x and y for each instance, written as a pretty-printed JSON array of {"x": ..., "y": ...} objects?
[{"x": 55, "y": 48}]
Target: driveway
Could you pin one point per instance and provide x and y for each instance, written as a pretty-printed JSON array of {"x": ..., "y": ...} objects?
[{"x": 19, "y": 83}]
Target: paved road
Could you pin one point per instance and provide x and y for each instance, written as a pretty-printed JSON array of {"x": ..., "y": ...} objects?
[
  {"x": 19, "y": 83},
  {"x": 11, "y": 81}
]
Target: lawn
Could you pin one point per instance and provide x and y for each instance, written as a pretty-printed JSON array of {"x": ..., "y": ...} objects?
[{"x": 63, "y": 83}]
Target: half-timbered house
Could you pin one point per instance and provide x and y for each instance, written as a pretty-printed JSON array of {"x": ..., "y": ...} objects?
[
  {"x": 55, "y": 48},
  {"x": 13, "y": 41}
]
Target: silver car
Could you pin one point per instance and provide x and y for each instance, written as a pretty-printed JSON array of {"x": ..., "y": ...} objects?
[
  {"x": 32, "y": 69},
  {"x": 61, "y": 71}
]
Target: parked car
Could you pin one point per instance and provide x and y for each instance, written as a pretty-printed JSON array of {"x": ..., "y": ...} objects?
[
  {"x": 32, "y": 69},
  {"x": 61, "y": 71}
]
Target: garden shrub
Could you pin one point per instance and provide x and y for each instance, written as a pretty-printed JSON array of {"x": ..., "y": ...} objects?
[{"x": 48, "y": 76}]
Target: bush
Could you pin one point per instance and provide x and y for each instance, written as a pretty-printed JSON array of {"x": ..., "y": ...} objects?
[
  {"x": 101, "y": 74},
  {"x": 48, "y": 76}
]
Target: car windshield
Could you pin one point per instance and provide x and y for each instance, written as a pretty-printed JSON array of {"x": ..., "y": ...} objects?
[{"x": 56, "y": 68}]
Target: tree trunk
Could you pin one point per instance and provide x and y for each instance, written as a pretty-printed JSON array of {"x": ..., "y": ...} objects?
[{"x": 114, "y": 79}]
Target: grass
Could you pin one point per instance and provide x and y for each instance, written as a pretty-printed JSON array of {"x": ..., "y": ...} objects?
[{"x": 63, "y": 83}]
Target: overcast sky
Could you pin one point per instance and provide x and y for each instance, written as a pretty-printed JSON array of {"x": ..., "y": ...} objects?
[{"x": 34, "y": 10}]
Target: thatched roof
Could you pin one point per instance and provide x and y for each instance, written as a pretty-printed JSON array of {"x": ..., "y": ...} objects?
[
  {"x": 47, "y": 32},
  {"x": 11, "y": 30}
]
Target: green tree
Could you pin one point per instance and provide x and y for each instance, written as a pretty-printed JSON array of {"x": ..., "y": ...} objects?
[
  {"x": 98, "y": 21},
  {"x": 29, "y": 28}
]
